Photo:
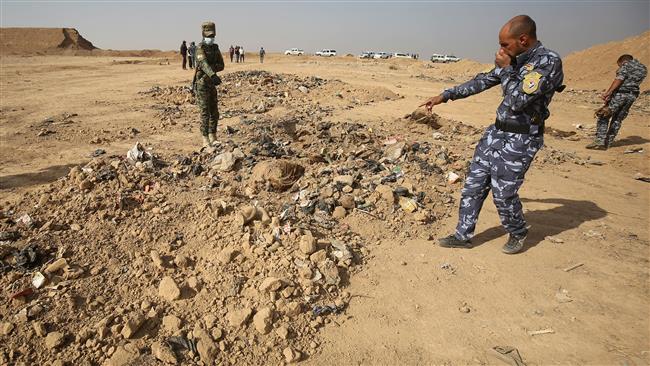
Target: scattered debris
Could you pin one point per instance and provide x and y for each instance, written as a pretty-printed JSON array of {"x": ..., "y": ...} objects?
[{"x": 571, "y": 268}]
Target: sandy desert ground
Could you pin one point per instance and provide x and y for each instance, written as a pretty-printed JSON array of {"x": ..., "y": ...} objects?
[{"x": 406, "y": 302}]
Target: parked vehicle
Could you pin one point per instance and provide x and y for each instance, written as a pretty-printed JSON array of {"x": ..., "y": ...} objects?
[
  {"x": 326, "y": 52},
  {"x": 401, "y": 55},
  {"x": 383, "y": 55},
  {"x": 444, "y": 58},
  {"x": 294, "y": 51},
  {"x": 366, "y": 54}
]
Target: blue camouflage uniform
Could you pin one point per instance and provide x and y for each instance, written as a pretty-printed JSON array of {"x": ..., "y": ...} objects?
[
  {"x": 508, "y": 147},
  {"x": 609, "y": 123}
]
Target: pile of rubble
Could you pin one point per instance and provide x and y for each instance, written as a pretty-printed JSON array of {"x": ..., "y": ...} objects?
[{"x": 238, "y": 254}]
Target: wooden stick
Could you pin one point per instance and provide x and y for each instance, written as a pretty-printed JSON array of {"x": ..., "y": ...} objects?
[
  {"x": 543, "y": 331},
  {"x": 573, "y": 267}
]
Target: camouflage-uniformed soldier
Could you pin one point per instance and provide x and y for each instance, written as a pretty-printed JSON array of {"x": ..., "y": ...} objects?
[
  {"x": 618, "y": 99},
  {"x": 529, "y": 75},
  {"x": 208, "y": 62}
]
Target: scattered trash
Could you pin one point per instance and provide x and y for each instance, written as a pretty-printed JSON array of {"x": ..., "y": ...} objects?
[
  {"x": 318, "y": 310},
  {"x": 562, "y": 295},
  {"x": 9, "y": 235},
  {"x": 98, "y": 152},
  {"x": 408, "y": 204},
  {"x": 554, "y": 240},
  {"x": 27, "y": 221},
  {"x": 641, "y": 177},
  {"x": 138, "y": 153},
  {"x": 633, "y": 150},
  {"x": 26, "y": 258},
  {"x": 22, "y": 293},
  {"x": 183, "y": 343},
  {"x": 38, "y": 280},
  {"x": 507, "y": 354}
]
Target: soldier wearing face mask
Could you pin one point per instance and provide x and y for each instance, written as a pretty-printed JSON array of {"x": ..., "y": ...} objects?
[{"x": 208, "y": 62}]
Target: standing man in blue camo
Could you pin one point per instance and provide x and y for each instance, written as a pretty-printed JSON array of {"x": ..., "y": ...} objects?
[
  {"x": 529, "y": 75},
  {"x": 618, "y": 100},
  {"x": 209, "y": 61}
]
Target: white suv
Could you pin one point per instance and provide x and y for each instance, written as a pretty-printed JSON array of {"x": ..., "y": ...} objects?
[
  {"x": 326, "y": 52},
  {"x": 401, "y": 55},
  {"x": 294, "y": 51},
  {"x": 444, "y": 58},
  {"x": 381, "y": 55}
]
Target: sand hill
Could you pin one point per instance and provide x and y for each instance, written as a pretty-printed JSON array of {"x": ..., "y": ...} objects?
[
  {"x": 42, "y": 40},
  {"x": 595, "y": 67}
]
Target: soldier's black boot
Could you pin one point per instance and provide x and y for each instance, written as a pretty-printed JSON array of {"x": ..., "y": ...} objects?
[
  {"x": 596, "y": 146},
  {"x": 453, "y": 242},
  {"x": 515, "y": 244}
]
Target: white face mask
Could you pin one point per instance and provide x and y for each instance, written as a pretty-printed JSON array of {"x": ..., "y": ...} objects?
[{"x": 208, "y": 41}]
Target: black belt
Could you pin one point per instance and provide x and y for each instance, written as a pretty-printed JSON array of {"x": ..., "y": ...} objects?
[{"x": 517, "y": 128}]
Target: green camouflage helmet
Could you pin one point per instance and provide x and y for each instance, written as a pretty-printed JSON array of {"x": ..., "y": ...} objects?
[{"x": 208, "y": 29}]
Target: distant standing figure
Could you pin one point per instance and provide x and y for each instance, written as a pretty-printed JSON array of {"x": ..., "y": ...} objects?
[
  {"x": 236, "y": 53},
  {"x": 262, "y": 53},
  {"x": 241, "y": 54},
  {"x": 231, "y": 50},
  {"x": 184, "y": 54},
  {"x": 192, "y": 54},
  {"x": 618, "y": 99}
]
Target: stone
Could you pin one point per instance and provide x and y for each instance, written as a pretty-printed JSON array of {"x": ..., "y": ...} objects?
[
  {"x": 168, "y": 289},
  {"x": 386, "y": 193},
  {"x": 239, "y": 318},
  {"x": 39, "y": 329},
  {"x": 293, "y": 309},
  {"x": 339, "y": 213},
  {"x": 263, "y": 320},
  {"x": 133, "y": 324},
  {"x": 172, "y": 323},
  {"x": 346, "y": 180},
  {"x": 395, "y": 151},
  {"x": 57, "y": 265},
  {"x": 6, "y": 328},
  {"x": 308, "y": 244},
  {"x": 347, "y": 201},
  {"x": 452, "y": 177},
  {"x": 270, "y": 284},
  {"x": 303, "y": 89},
  {"x": 207, "y": 351},
  {"x": 54, "y": 340},
  {"x": 319, "y": 256},
  {"x": 282, "y": 332},
  {"x": 181, "y": 261},
  {"x": 157, "y": 260},
  {"x": 291, "y": 355},
  {"x": 227, "y": 255},
  {"x": 163, "y": 353},
  {"x": 123, "y": 356}
]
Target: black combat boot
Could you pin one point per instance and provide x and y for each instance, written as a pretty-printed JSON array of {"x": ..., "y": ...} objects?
[
  {"x": 453, "y": 242},
  {"x": 596, "y": 146},
  {"x": 515, "y": 244}
]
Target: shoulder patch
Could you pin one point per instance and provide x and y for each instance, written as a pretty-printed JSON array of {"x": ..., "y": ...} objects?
[{"x": 531, "y": 82}]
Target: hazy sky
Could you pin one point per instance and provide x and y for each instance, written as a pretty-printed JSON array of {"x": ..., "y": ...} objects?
[{"x": 465, "y": 28}]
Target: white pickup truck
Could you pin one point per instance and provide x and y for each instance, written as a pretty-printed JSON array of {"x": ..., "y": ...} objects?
[{"x": 294, "y": 51}]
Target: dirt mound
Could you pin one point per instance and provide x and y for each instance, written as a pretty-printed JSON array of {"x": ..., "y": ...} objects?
[
  {"x": 42, "y": 40},
  {"x": 595, "y": 67}
]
